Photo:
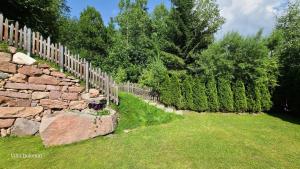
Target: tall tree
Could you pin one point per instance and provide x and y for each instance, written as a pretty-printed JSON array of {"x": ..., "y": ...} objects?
[
  {"x": 212, "y": 95},
  {"x": 196, "y": 21},
  {"x": 225, "y": 95},
  {"x": 288, "y": 51},
  {"x": 199, "y": 96},
  {"x": 41, "y": 16},
  {"x": 92, "y": 37},
  {"x": 240, "y": 99}
]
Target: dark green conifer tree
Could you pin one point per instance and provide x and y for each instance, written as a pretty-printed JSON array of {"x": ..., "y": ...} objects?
[
  {"x": 266, "y": 102},
  {"x": 199, "y": 96},
  {"x": 165, "y": 91},
  {"x": 176, "y": 92},
  {"x": 212, "y": 95},
  {"x": 187, "y": 97},
  {"x": 240, "y": 99},
  {"x": 225, "y": 95}
]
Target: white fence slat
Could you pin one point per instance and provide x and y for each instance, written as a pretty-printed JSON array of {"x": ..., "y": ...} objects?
[
  {"x": 11, "y": 34},
  {"x": 1, "y": 27},
  {"x": 16, "y": 34},
  {"x": 29, "y": 42},
  {"x": 5, "y": 37}
]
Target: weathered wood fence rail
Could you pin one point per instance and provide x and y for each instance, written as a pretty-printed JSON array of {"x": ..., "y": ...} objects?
[
  {"x": 35, "y": 43},
  {"x": 143, "y": 92}
]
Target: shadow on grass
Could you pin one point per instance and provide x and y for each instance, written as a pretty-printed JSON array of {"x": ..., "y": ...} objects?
[{"x": 289, "y": 117}]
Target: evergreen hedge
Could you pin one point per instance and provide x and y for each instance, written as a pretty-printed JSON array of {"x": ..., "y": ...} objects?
[
  {"x": 240, "y": 99},
  {"x": 165, "y": 91},
  {"x": 187, "y": 97},
  {"x": 212, "y": 95},
  {"x": 225, "y": 95},
  {"x": 176, "y": 92},
  {"x": 199, "y": 96}
]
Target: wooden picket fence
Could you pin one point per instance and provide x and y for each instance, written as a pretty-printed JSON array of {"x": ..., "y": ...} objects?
[
  {"x": 35, "y": 43},
  {"x": 143, "y": 92}
]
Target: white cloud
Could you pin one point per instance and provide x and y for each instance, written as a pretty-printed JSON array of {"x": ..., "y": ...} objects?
[{"x": 248, "y": 16}]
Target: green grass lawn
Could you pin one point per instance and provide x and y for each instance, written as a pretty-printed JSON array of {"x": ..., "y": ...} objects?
[{"x": 196, "y": 141}]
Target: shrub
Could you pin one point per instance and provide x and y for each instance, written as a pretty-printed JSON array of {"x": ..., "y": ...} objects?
[
  {"x": 187, "y": 97},
  {"x": 240, "y": 98},
  {"x": 253, "y": 98},
  {"x": 266, "y": 102},
  {"x": 225, "y": 95},
  {"x": 154, "y": 74},
  {"x": 212, "y": 95},
  {"x": 176, "y": 92},
  {"x": 120, "y": 75},
  {"x": 199, "y": 96},
  {"x": 165, "y": 91}
]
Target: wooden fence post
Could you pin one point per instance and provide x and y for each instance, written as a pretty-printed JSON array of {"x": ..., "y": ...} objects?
[
  {"x": 61, "y": 57},
  {"x": 107, "y": 88},
  {"x": 5, "y": 37},
  {"x": 48, "y": 48},
  {"x": 86, "y": 75},
  {"x": 1, "y": 26},
  {"x": 16, "y": 34},
  {"x": 11, "y": 33},
  {"x": 29, "y": 42}
]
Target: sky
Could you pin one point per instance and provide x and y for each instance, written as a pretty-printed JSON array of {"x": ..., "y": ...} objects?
[{"x": 244, "y": 16}]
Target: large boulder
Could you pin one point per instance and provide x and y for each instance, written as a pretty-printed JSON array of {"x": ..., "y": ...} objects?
[
  {"x": 69, "y": 127},
  {"x": 24, "y": 127},
  {"x": 23, "y": 59}
]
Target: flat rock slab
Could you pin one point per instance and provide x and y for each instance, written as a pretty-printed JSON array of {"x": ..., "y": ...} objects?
[
  {"x": 44, "y": 79},
  {"x": 30, "y": 70},
  {"x": 24, "y": 127},
  {"x": 5, "y": 123},
  {"x": 24, "y": 86},
  {"x": 5, "y": 57},
  {"x": 12, "y": 112},
  {"x": 8, "y": 67},
  {"x": 68, "y": 127}
]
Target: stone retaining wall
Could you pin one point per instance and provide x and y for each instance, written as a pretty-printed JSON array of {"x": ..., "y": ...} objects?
[{"x": 30, "y": 91}]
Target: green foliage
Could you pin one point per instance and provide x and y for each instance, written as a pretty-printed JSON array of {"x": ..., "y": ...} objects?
[
  {"x": 91, "y": 38},
  {"x": 225, "y": 95},
  {"x": 103, "y": 113},
  {"x": 287, "y": 49},
  {"x": 199, "y": 96},
  {"x": 212, "y": 95},
  {"x": 187, "y": 93},
  {"x": 120, "y": 75},
  {"x": 176, "y": 92},
  {"x": 165, "y": 91},
  {"x": 266, "y": 102},
  {"x": 3, "y": 47},
  {"x": 240, "y": 99},
  {"x": 194, "y": 24},
  {"x": 253, "y": 98},
  {"x": 135, "y": 113},
  {"x": 41, "y": 16},
  {"x": 154, "y": 74}
]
